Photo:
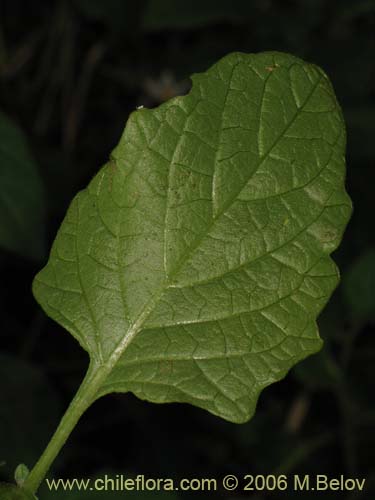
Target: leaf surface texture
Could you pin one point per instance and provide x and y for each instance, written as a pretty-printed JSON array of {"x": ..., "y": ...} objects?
[{"x": 195, "y": 263}]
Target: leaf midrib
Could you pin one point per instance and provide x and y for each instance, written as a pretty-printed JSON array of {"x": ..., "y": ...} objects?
[
  {"x": 150, "y": 305},
  {"x": 225, "y": 207}
]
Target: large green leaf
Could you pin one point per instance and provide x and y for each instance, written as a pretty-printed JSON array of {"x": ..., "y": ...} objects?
[
  {"x": 195, "y": 263},
  {"x": 21, "y": 195}
]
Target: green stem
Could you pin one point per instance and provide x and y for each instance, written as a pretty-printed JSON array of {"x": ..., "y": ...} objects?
[
  {"x": 86, "y": 395},
  {"x": 82, "y": 400}
]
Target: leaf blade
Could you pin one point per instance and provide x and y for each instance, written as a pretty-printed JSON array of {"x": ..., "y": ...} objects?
[{"x": 212, "y": 226}]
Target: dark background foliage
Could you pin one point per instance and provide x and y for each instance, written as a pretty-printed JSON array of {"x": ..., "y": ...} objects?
[{"x": 70, "y": 74}]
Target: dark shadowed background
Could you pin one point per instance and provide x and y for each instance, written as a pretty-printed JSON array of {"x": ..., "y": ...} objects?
[{"x": 70, "y": 74}]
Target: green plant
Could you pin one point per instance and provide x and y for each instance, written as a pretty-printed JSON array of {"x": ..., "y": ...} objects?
[{"x": 194, "y": 265}]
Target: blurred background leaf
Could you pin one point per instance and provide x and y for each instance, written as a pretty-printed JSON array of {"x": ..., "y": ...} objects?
[
  {"x": 21, "y": 195},
  {"x": 29, "y": 412},
  {"x": 359, "y": 287},
  {"x": 179, "y": 14},
  {"x": 116, "y": 14}
]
